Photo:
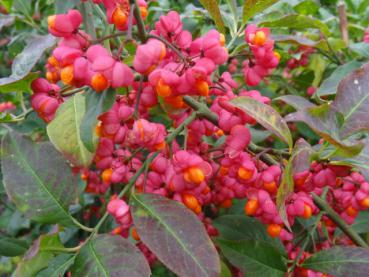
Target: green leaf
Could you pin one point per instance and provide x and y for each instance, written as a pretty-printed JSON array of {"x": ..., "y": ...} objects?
[
  {"x": 213, "y": 8},
  {"x": 6, "y": 20},
  {"x": 361, "y": 48},
  {"x": 266, "y": 116},
  {"x": 254, "y": 258},
  {"x": 252, "y": 7},
  {"x": 360, "y": 161},
  {"x": 258, "y": 136},
  {"x": 294, "y": 39},
  {"x": 37, "y": 179},
  {"x": 109, "y": 255},
  {"x": 88, "y": 18},
  {"x": 38, "y": 257},
  {"x": 96, "y": 104},
  {"x": 10, "y": 247},
  {"x": 361, "y": 224},
  {"x": 224, "y": 270},
  {"x": 340, "y": 261},
  {"x": 352, "y": 101},
  {"x": 298, "y": 102},
  {"x": 298, "y": 162},
  {"x": 329, "y": 85},
  {"x": 62, "y": 6},
  {"x": 21, "y": 78},
  {"x": 23, "y": 7},
  {"x": 232, "y": 4},
  {"x": 241, "y": 227},
  {"x": 307, "y": 7},
  {"x": 171, "y": 231},
  {"x": 57, "y": 266},
  {"x": 299, "y": 22},
  {"x": 64, "y": 131}
]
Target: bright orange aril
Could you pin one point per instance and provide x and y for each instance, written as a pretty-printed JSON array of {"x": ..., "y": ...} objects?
[
  {"x": 222, "y": 39},
  {"x": 143, "y": 11},
  {"x": 134, "y": 234},
  {"x": 99, "y": 82},
  {"x": 260, "y": 38},
  {"x": 194, "y": 175},
  {"x": 351, "y": 211},
  {"x": 202, "y": 87},
  {"x": 163, "y": 89},
  {"x": 160, "y": 146},
  {"x": 308, "y": 211},
  {"x": 51, "y": 21},
  {"x": 245, "y": 174},
  {"x": 53, "y": 61},
  {"x": 251, "y": 207},
  {"x": 191, "y": 202},
  {"x": 67, "y": 75},
  {"x": 270, "y": 187},
  {"x": 52, "y": 77},
  {"x": 365, "y": 202},
  {"x": 98, "y": 130},
  {"x": 223, "y": 170},
  {"x": 106, "y": 175},
  {"x": 119, "y": 17},
  {"x": 274, "y": 230}
]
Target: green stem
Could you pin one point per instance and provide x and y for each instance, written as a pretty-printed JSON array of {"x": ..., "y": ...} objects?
[
  {"x": 83, "y": 227},
  {"x": 239, "y": 32},
  {"x": 323, "y": 206},
  {"x": 138, "y": 97},
  {"x": 142, "y": 34},
  {"x": 312, "y": 231},
  {"x": 60, "y": 249},
  {"x": 99, "y": 40},
  {"x": 73, "y": 91},
  {"x": 202, "y": 110}
]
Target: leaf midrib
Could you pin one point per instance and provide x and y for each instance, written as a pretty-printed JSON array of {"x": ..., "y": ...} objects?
[
  {"x": 171, "y": 232},
  {"x": 98, "y": 261},
  {"x": 363, "y": 261},
  {"x": 356, "y": 106},
  {"x": 24, "y": 162},
  {"x": 56, "y": 274}
]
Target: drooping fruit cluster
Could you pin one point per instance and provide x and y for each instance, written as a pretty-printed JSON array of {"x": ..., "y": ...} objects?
[{"x": 172, "y": 65}]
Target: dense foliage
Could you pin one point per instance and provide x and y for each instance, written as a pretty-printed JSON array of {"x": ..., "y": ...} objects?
[{"x": 165, "y": 138}]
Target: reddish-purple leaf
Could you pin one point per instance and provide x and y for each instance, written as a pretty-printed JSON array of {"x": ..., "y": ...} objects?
[
  {"x": 340, "y": 261},
  {"x": 108, "y": 255},
  {"x": 352, "y": 101},
  {"x": 37, "y": 179},
  {"x": 325, "y": 122},
  {"x": 175, "y": 235}
]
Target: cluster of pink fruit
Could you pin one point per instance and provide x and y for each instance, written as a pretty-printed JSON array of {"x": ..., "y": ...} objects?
[{"x": 171, "y": 64}]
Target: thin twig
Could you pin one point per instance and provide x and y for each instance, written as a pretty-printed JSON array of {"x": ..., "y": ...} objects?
[
  {"x": 343, "y": 22},
  {"x": 323, "y": 206},
  {"x": 170, "y": 46}
]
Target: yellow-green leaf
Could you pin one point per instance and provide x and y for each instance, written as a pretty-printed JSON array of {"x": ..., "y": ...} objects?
[
  {"x": 212, "y": 7},
  {"x": 252, "y": 7},
  {"x": 266, "y": 116},
  {"x": 64, "y": 131}
]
